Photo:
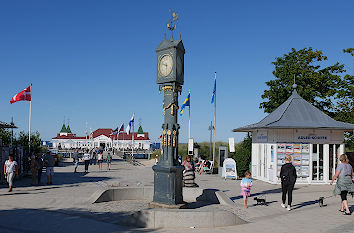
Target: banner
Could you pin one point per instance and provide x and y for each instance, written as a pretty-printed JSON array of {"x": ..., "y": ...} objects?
[{"x": 231, "y": 144}]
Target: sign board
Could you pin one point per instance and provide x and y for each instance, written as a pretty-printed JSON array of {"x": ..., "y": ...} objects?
[
  {"x": 231, "y": 144},
  {"x": 229, "y": 169},
  {"x": 317, "y": 137},
  {"x": 190, "y": 146},
  {"x": 262, "y": 136}
]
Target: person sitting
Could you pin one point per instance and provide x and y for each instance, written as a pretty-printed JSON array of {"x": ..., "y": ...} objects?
[
  {"x": 188, "y": 173},
  {"x": 205, "y": 167}
]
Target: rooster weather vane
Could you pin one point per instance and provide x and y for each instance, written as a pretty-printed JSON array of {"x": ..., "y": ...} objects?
[{"x": 171, "y": 25}]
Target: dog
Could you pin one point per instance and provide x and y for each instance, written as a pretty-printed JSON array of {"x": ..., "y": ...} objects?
[
  {"x": 261, "y": 201},
  {"x": 320, "y": 202}
]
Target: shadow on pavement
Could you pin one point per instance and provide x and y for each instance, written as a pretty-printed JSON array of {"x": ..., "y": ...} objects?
[
  {"x": 303, "y": 204},
  {"x": 270, "y": 191},
  {"x": 64, "y": 220},
  {"x": 60, "y": 178}
]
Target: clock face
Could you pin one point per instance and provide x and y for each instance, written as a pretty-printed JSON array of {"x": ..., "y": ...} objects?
[{"x": 165, "y": 65}]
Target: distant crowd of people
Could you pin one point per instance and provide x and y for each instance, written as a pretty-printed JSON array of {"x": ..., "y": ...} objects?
[{"x": 94, "y": 156}]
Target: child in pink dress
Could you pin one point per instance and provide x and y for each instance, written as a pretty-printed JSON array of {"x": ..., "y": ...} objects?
[{"x": 246, "y": 184}]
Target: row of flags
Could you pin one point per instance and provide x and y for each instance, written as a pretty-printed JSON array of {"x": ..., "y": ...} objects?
[
  {"x": 187, "y": 101},
  {"x": 121, "y": 128},
  {"x": 26, "y": 95}
]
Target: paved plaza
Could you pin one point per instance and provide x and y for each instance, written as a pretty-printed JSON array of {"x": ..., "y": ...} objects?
[{"x": 64, "y": 206}]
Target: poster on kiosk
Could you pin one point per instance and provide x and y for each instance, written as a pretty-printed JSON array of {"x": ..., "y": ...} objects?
[{"x": 229, "y": 169}]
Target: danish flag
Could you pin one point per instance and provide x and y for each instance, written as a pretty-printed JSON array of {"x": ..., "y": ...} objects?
[{"x": 23, "y": 95}]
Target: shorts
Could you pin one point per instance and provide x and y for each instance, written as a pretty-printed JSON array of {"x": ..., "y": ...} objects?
[
  {"x": 100, "y": 161},
  {"x": 343, "y": 195},
  {"x": 49, "y": 171},
  {"x": 109, "y": 161}
]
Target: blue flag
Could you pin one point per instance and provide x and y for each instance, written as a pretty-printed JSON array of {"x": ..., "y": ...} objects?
[
  {"x": 214, "y": 92},
  {"x": 187, "y": 102},
  {"x": 114, "y": 131}
]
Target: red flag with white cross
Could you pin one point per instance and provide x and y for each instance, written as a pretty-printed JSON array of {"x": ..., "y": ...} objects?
[{"x": 23, "y": 95}]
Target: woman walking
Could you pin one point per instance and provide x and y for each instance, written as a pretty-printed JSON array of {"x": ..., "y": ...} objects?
[
  {"x": 188, "y": 173},
  {"x": 87, "y": 158},
  {"x": 344, "y": 185},
  {"x": 288, "y": 178},
  {"x": 109, "y": 161},
  {"x": 11, "y": 170},
  {"x": 99, "y": 160}
]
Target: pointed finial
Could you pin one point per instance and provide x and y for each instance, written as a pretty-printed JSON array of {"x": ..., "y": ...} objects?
[{"x": 294, "y": 85}]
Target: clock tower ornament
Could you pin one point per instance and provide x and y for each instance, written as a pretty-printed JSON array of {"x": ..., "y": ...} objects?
[{"x": 170, "y": 77}]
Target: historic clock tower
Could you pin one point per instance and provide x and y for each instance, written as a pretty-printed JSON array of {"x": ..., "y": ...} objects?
[{"x": 170, "y": 77}]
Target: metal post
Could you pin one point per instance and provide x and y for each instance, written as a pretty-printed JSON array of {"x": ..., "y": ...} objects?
[
  {"x": 29, "y": 127},
  {"x": 189, "y": 113},
  {"x": 214, "y": 123},
  {"x": 132, "y": 158},
  {"x": 211, "y": 138}
]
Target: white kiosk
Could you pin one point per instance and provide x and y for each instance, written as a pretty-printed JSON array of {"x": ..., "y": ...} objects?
[{"x": 299, "y": 129}]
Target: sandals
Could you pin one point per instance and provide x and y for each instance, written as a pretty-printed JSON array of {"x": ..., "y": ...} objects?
[
  {"x": 341, "y": 211},
  {"x": 345, "y": 213}
]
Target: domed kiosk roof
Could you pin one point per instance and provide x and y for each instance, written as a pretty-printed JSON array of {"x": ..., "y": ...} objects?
[{"x": 296, "y": 112}]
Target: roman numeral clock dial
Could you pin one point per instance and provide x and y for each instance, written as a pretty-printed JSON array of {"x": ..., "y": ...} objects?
[{"x": 165, "y": 65}]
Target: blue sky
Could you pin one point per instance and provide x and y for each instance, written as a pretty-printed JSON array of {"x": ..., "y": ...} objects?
[{"x": 95, "y": 61}]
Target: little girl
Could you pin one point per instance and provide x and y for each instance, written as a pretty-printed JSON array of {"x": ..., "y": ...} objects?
[{"x": 246, "y": 184}]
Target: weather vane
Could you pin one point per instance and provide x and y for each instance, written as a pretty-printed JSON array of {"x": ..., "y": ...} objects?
[{"x": 171, "y": 25}]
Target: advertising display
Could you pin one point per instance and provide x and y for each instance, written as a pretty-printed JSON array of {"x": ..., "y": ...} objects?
[
  {"x": 229, "y": 169},
  {"x": 300, "y": 154}
]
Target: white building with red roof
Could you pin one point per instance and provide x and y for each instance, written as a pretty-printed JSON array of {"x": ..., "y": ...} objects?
[{"x": 102, "y": 137}]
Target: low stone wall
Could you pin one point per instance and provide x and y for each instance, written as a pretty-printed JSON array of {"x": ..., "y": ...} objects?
[{"x": 173, "y": 218}]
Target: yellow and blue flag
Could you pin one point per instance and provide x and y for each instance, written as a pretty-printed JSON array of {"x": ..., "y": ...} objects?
[{"x": 187, "y": 102}]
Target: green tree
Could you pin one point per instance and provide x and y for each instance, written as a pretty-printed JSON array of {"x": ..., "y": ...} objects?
[
  {"x": 318, "y": 84},
  {"x": 35, "y": 141},
  {"x": 5, "y": 136},
  {"x": 344, "y": 107}
]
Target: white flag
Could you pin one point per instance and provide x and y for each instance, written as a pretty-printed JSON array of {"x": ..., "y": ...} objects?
[{"x": 131, "y": 122}]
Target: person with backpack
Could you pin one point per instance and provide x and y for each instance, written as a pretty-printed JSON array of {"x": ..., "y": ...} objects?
[{"x": 288, "y": 178}]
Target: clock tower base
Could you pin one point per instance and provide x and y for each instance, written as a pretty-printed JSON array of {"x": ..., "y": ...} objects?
[{"x": 168, "y": 186}]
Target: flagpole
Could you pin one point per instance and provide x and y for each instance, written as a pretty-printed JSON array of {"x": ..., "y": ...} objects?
[
  {"x": 29, "y": 123},
  {"x": 123, "y": 143},
  {"x": 133, "y": 140},
  {"x": 189, "y": 111},
  {"x": 214, "y": 123}
]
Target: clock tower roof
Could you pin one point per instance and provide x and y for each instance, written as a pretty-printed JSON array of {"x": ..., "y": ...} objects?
[{"x": 167, "y": 44}]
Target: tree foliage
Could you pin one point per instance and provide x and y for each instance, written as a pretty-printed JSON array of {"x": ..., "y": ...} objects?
[
  {"x": 344, "y": 108},
  {"x": 317, "y": 84},
  {"x": 21, "y": 140},
  {"x": 5, "y": 136},
  {"x": 326, "y": 87},
  {"x": 35, "y": 141}
]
